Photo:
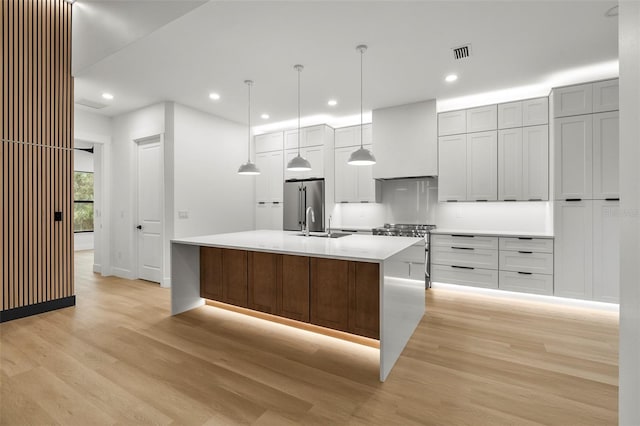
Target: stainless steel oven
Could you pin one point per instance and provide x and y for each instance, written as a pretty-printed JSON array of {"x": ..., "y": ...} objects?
[{"x": 411, "y": 230}]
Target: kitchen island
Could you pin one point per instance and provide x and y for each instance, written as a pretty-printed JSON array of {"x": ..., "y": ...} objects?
[{"x": 371, "y": 286}]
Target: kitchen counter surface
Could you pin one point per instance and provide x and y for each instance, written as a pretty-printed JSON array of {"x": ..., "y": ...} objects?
[
  {"x": 492, "y": 233},
  {"x": 351, "y": 247}
]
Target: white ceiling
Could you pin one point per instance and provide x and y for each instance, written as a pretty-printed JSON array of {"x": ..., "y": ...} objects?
[{"x": 181, "y": 52}]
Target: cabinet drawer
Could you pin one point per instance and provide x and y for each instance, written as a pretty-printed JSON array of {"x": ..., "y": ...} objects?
[
  {"x": 475, "y": 277},
  {"x": 472, "y": 241},
  {"x": 470, "y": 257},
  {"x": 538, "y": 245},
  {"x": 526, "y": 261},
  {"x": 527, "y": 283}
]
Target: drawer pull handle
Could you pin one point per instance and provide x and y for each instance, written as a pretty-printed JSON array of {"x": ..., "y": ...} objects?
[
  {"x": 509, "y": 199},
  {"x": 465, "y": 236},
  {"x": 482, "y": 201},
  {"x": 525, "y": 273},
  {"x": 261, "y": 202},
  {"x": 276, "y": 202},
  {"x": 535, "y": 199},
  {"x": 452, "y": 201},
  {"x": 462, "y": 267},
  {"x": 525, "y": 252},
  {"x": 462, "y": 248},
  {"x": 573, "y": 199},
  {"x": 612, "y": 199},
  {"x": 525, "y": 238}
]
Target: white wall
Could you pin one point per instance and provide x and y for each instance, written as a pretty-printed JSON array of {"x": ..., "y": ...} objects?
[
  {"x": 96, "y": 129},
  {"x": 629, "y": 52},
  {"x": 207, "y": 153},
  {"x": 127, "y": 128}
]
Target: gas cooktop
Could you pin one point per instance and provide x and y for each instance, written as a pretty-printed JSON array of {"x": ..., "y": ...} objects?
[{"x": 403, "y": 230}]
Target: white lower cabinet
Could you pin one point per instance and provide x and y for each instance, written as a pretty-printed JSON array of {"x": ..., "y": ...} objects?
[
  {"x": 465, "y": 275},
  {"x": 521, "y": 264},
  {"x": 606, "y": 251},
  {"x": 526, "y": 282},
  {"x": 269, "y": 216},
  {"x": 573, "y": 223}
]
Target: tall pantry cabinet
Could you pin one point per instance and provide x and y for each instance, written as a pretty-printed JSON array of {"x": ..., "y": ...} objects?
[{"x": 586, "y": 211}]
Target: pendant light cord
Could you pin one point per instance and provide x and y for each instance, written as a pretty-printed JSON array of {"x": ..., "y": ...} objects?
[
  {"x": 299, "y": 71},
  {"x": 361, "y": 113},
  {"x": 249, "y": 128}
]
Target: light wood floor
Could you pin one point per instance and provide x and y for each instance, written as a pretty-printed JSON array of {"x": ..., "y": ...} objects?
[{"x": 119, "y": 358}]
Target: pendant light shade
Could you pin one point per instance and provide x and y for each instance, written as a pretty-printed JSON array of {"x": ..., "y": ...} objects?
[
  {"x": 249, "y": 168},
  {"x": 298, "y": 163},
  {"x": 362, "y": 156}
]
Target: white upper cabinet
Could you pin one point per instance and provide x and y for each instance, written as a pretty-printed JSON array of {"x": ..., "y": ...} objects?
[
  {"x": 535, "y": 163},
  {"x": 350, "y": 136},
  {"x": 573, "y": 157},
  {"x": 606, "y": 155},
  {"x": 452, "y": 123},
  {"x": 405, "y": 141},
  {"x": 315, "y": 156},
  {"x": 535, "y": 112},
  {"x": 354, "y": 184},
  {"x": 482, "y": 167},
  {"x": 606, "y": 251},
  {"x": 573, "y": 275},
  {"x": 510, "y": 167},
  {"x": 269, "y": 183},
  {"x": 269, "y": 142},
  {"x": 510, "y": 115},
  {"x": 573, "y": 100},
  {"x": 605, "y": 96},
  {"x": 311, "y": 136},
  {"x": 452, "y": 176},
  {"x": 482, "y": 119},
  {"x": 346, "y": 175}
]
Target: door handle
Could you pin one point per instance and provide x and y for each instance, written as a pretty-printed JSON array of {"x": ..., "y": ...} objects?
[{"x": 139, "y": 227}]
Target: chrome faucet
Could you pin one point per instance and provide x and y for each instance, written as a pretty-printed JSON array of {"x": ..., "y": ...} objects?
[{"x": 313, "y": 219}]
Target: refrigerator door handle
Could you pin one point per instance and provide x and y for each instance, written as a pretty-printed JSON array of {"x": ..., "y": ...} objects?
[{"x": 303, "y": 207}]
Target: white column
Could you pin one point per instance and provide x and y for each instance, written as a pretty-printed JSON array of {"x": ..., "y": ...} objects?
[{"x": 629, "y": 53}]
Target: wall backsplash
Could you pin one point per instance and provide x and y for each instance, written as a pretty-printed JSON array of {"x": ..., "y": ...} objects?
[{"x": 416, "y": 201}]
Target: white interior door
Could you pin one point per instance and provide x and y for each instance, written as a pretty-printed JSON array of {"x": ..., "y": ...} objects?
[{"x": 150, "y": 211}]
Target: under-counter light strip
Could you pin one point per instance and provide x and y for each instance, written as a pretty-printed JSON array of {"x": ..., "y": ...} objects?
[{"x": 539, "y": 298}]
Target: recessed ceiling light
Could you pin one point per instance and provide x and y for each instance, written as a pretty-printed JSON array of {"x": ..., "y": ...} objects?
[
  {"x": 214, "y": 96},
  {"x": 265, "y": 116},
  {"x": 332, "y": 102},
  {"x": 451, "y": 78},
  {"x": 107, "y": 96},
  {"x": 612, "y": 12}
]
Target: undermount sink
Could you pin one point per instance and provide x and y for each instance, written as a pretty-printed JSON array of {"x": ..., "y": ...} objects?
[{"x": 325, "y": 235}]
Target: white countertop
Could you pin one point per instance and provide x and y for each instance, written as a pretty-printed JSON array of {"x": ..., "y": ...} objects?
[
  {"x": 352, "y": 247},
  {"x": 492, "y": 233}
]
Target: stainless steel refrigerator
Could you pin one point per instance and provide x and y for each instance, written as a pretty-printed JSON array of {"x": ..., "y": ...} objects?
[{"x": 298, "y": 195}]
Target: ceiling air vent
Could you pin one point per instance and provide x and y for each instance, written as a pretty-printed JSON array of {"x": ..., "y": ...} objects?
[
  {"x": 462, "y": 52},
  {"x": 91, "y": 104}
]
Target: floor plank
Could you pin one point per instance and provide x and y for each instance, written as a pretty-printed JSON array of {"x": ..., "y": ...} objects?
[{"x": 118, "y": 357}]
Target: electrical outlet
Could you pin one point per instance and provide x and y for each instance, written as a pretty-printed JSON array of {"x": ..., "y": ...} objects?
[
  {"x": 57, "y": 216},
  {"x": 183, "y": 214}
]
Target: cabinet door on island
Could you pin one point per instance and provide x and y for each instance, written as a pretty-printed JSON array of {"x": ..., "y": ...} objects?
[
  {"x": 264, "y": 271},
  {"x": 346, "y": 296},
  {"x": 293, "y": 288},
  {"x": 234, "y": 277},
  {"x": 211, "y": 273}
]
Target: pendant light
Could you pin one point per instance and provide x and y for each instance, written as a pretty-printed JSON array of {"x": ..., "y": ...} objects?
[
  {"x": 298, "y": 163},
  {"x": 361, "y": 156},
  {"x": 249, "y": 168}
]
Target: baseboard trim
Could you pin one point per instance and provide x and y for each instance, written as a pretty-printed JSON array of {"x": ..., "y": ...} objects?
[
  {"x": 123, "y": 273},
  {"x": 38, "y": 308}
]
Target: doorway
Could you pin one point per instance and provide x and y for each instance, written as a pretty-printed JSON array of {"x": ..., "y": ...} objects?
[{"x": 150, "y": 206}]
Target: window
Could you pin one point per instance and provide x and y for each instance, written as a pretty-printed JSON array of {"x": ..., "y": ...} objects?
[{"x": 83, "y": 202}]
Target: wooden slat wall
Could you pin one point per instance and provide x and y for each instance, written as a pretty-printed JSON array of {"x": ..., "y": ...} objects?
[{"x": 37, "y": 152}]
